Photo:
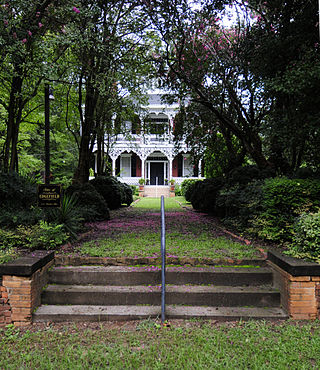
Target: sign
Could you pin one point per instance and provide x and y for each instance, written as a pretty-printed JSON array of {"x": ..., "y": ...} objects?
[{"x": 49, "y": 196}]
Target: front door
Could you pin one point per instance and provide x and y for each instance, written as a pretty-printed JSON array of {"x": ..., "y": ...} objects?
[{"x": 156, "y": 173}]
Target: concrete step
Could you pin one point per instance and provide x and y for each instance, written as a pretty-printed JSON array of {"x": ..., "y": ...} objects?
[
  {"x": 156, "y": 191},
  {"x": 124, "y": 313},
  {"x": 177, "y": 294},
  {"x": 150, "y": 275}
]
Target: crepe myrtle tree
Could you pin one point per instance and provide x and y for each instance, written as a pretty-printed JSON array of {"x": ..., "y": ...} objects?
[
  {"x": 203, "y": 59},
  {"x": 259, "y": 77}
]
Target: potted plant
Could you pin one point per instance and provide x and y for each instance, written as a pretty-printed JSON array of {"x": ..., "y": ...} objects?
[
  {"x": 141, "y": 183},
  {"x": 172, "y": 181}
]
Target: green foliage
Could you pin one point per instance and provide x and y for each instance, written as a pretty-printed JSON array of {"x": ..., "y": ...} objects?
[
  {"x": 204, "y": 194},
  {"x": 16, "y": 191},
  {"x": 127, "y": 197},
  {"x": 7, "y": 254},
  {"x": 306, "y": 240},
  {"x": 9, "y": 239},
  {"x": 18, "y": 199},
  {"x": 177, "y": 190},
  {"x": 68, "y": 215},
  {"x": 42, "y": 236},
  {"x": 186, "y": 188},
  {"x": 135, "y": 190},
  {"x": 11, "y": 217},
  {"x": 91, "y": 204},
  {"x": 113, "y": 191},
  {"x": 283, "y": 201},
  {"x": 242, "y": 175},
  {"x": 238, "y": 205}
]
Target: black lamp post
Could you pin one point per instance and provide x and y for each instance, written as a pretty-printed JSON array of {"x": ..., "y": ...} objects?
[{"x": 47, "y": 97}]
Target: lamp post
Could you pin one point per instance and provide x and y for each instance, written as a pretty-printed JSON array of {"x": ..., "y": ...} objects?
[{"x": 47, "y": 97}]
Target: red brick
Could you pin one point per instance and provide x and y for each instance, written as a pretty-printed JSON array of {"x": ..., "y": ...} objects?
[
  {"x": 303, "y": 284},
  {"x": 299, "y": 278}
]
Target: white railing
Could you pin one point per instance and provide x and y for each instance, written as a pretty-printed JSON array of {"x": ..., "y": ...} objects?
[
  {"x": 135, "y": 180},
  {"x": 178, "y": 180},
  {"x": 129, "y": 180}
]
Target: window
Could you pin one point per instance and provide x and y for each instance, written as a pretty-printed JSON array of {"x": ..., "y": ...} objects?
[
  {"x": 187, "y": 167},
  {"x": 125, "y": 166}
]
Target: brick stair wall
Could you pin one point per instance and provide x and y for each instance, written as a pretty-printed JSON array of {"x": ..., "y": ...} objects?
[{"x": 21, "y": 285}]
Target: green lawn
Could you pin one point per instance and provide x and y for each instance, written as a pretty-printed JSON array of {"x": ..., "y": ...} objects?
[
  {"x": 135, "y": 232},
  {"x": 187, "y": 345},
  {"x": 154, "y": 203}
]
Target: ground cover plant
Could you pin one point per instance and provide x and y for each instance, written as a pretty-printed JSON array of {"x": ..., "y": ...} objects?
[
  {"x": 145, "y": 345},
  {"x": 135, "y": 232}
]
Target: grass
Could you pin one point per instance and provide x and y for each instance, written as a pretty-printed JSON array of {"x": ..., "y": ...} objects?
[
  {"x": 192, "y": 345},
  {"x": 136, "y": 233},
  {"x": 154, "y": 204},
  {"x": 148, "y": 244}
]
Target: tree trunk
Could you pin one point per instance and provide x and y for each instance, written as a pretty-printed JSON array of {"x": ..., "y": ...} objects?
[
  {"x": 81, "y": 175},
  {"x": 13, "y": 123}
]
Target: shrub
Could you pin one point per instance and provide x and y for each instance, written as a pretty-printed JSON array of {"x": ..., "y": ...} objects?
[
  {"x": 204, "y": 194},
  {"x": 110, "y": 189},
  {"x": 113, "y": 191},
  {"x": 306, "y": 173},
  {"x": 128, "y": 198},
  {"x": 239, "y": 204},
  {"x": 177, "y": 190},
  {"x": 187, "y": 188},
  {"x": 9, "y": 239},
  {"x": 17, "y": 191},
  {"x": 243, "y": 175},
  {"x": 135, "y": 190},
  {"x": 68, "y": 215},
  {"x": 11, "y": 217},
  {"x": 18, "y": 200},
  {"x": 283, "y": 200},
  {"x": 42, "y": 236},
  {"x": 306, "y": 240},
  {"x": 91, "y": 204}
]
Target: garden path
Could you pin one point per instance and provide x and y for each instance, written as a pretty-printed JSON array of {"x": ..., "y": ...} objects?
[{"x": 135, "y": 232}]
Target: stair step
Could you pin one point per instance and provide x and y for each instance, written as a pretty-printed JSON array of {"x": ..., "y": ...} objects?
[
  {"x": 178, "y": 294},
  {"x": 123, "y": 275},
  {"x": 123, "y": 313}
]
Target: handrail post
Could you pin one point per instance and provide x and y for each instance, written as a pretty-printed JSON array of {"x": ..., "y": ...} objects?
[{"x": 163, "y": 263}]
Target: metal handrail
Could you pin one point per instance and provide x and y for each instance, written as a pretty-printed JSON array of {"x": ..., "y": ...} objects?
[{"x": 163, "y": 263}]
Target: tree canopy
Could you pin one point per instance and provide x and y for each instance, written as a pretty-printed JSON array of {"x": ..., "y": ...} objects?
[{"x": 253, "y": 83}]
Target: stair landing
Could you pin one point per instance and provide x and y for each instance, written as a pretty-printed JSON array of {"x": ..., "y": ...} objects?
[{"x": 156, "y": 191}]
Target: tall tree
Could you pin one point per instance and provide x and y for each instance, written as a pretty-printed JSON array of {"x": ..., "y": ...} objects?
[
  {"x": 203, "y": 59},
  {"x": 27, "y": 55},
  {"x": 107, "y": 43},
  {"x": 283, "y": 48}
]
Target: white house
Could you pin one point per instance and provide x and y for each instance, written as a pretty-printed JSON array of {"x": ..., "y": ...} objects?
[{"x": 147, "y": 150}]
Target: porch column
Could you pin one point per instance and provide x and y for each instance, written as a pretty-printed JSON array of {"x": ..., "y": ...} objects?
[
  {"x": 170, "y": 169},
  {"x": 113, "y": 167},
  {"x": 199, "y": 168},
  {"x": 143, "y": 168}
]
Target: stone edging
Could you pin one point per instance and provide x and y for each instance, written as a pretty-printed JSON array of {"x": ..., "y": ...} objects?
[
  {"x": 27, "y": 265},
  {"x": 294, "y": 266},
  {"x": 61, "y": 260}
]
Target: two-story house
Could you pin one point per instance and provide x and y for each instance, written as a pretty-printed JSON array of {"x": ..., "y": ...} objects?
[{"x": 147, "y": 150}]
